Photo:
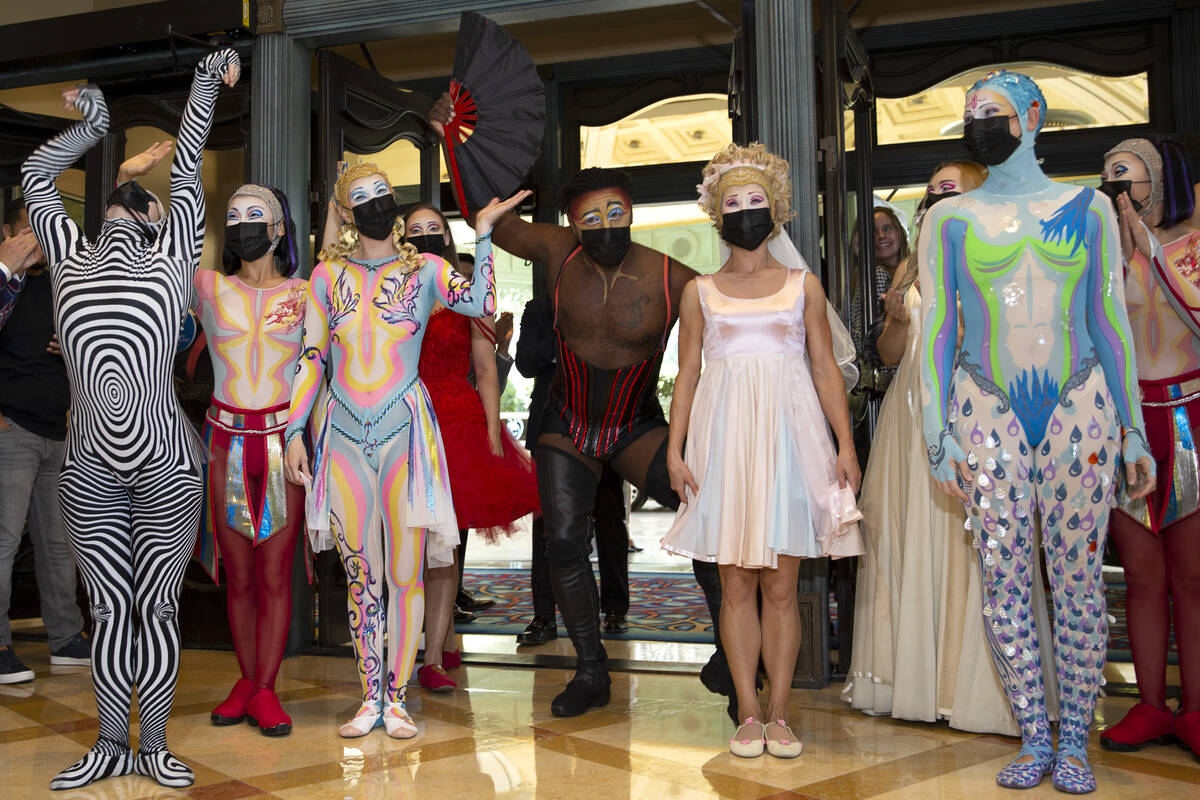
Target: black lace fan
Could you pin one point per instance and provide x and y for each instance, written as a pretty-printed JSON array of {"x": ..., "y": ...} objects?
[{"x": 499, "y": 113}]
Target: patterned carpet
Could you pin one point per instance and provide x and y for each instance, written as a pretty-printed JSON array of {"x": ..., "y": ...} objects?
[
  {"x": 663, "y": 607},
  {"x": 669, "y": 607}
]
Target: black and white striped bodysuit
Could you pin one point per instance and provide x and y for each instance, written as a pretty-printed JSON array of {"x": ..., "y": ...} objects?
[{"x": 130, "y": 487}]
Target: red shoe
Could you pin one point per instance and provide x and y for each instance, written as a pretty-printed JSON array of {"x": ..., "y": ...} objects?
[
  {"x": 434, "y": 679},
  {"x": 233, "y": 710},
  {"x": 451, "y": 659},
  {"x": 264, "y": 712},
  {"x": 1142, "y": 725},
  {"x": 1187, "y": 730}
]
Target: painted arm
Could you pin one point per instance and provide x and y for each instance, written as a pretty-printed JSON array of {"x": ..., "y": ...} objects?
[
  {"x": 474, "y": 296},
  {"x": 691, "y": 339},
  {"x": 183, "y": 236},
  {"x": 827, "y": 380},
  {"x": 314, "y": 357},
  {"x": 487, "y": 379},
  {"x": 939, "y": 249},
  {"x": 56, "y": 232},
  {"x": 1112, "y": 337}
]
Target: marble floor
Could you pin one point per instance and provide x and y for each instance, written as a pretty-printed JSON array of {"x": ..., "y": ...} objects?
[{"x": 662, "y": 736}]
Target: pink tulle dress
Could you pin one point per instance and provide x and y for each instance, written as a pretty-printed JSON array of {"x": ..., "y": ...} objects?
[{"x": 758, "y": 443}]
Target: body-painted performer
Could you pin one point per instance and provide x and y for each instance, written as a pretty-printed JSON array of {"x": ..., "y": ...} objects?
[
  {"x": 1037, "y": 412},
  {"x": 761, "y": 484},
  {"x": 379, "y": 472},
  {"x": 920, "y": 651},
  {"x": 130, "y": 488},
  {"x": 1158, "y": 537},
  {"x": 491, "y": 476},
  {"x": 253, "y": 314}
]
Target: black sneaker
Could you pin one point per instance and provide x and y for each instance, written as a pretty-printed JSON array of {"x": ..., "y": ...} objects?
[
  {"x": 76, "y": 652},
  {"x": 540, "y": 631},
  {"x": 11, "y": 668}
]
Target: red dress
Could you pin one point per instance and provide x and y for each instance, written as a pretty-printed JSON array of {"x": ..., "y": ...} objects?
[{"x": 490, "y": 492}]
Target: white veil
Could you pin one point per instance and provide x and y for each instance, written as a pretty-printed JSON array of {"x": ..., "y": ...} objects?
[{"x": 782, "y": 250}]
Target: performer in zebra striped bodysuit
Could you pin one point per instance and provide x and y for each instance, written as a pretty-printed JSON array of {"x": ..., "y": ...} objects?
[
  {"x": 130, "y": 487},
  {"x": 380, "y": 472}
]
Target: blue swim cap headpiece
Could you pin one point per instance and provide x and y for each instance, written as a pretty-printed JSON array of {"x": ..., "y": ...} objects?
[{"x": 1019, "y": 89}]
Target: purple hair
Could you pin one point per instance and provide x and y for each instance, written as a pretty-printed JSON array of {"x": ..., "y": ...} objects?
[{"x": 1178, "y": 199}]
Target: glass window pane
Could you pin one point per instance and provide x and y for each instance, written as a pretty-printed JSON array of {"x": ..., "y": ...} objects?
[
  {"x": 1076, "y": 99},
  {"x": 401, "y": 160},
  {"x": 671, "y": 131}
]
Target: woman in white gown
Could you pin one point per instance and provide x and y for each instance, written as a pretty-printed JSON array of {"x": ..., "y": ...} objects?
[{"x": 919, "y": 649}]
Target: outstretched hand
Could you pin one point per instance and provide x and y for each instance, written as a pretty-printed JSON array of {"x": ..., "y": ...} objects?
[
  {"x": 485, "y": 217},
  {"x": 71, "y": 96},
  {"x": 143, "y": 162},
  {"x": 441, "y": 114}
]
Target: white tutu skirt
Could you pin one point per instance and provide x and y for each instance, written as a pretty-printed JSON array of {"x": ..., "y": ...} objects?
[{"x": 759, "y": 448}]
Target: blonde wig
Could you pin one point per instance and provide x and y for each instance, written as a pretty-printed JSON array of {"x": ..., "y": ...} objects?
[
  {"x": 346, "y": 243},
  {"x": 738, "y": 166}
]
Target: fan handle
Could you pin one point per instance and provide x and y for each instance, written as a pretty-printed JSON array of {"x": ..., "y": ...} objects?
[{"x": 456, "y": 90}]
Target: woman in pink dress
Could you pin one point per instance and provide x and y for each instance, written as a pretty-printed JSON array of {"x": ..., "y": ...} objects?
[{"x": 761, "y": 485}]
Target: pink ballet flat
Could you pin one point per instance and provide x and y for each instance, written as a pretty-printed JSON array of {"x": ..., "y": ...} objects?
[{"x": 749, "y": 740}]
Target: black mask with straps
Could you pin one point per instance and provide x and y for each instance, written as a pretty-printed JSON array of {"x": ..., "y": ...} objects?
[
  {"x": 606, "y": 246},
  {"x": 376, "y": 217},
  {"x": 1115, "y": 189},
  {"x": 434, "y": 243},
  {"x": 249, "y": 241},
  {"x": 747, "y": 228},
  {"x": 989, "y": 140}
]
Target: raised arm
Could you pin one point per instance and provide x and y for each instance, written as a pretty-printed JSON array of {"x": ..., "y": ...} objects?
[
  {"x": 940, "y": 251},
  {"x": 475, "y": 296},
  {"x": 183, "y": 235},
  {"x": 57, "y": 233},
  {"x": 1108, "y": 326}
]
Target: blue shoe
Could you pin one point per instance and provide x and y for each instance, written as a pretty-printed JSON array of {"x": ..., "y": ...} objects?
[
  {"x": 76, "y": 652},
  {"x": 1030, "y": 773},
  {"x": 1073, "y": 778}
]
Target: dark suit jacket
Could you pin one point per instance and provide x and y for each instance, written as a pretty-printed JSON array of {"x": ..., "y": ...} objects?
[{"x": 537, "y": 358}]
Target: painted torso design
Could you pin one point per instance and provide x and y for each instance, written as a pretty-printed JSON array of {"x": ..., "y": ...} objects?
[
  {"x": 1166, "y": 346},
  {"x": 254, "y": 337},
  {"x": 1039, "y": 305}
]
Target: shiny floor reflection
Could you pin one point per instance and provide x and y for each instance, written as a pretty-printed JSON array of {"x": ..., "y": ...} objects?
[{"x": 662, "y": 736}]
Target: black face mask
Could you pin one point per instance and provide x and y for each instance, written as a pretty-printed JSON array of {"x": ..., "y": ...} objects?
[
  {"x": 375, "y": 218},
  {"x": 606, "y": 246},
  {"x": 748, "y": 228},
  {"x": 248, "y": 241},
  {"x": 1115, "y": 189},
  {"x": 931, "y": 198},
  {"x": 428, "y": 243},
  {"x": 988, "y": 140}
]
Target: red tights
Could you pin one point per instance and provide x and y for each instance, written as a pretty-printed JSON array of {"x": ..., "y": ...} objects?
[
  {"x": 1162, "y": 572},
  {"x": 258, "y": 584}
]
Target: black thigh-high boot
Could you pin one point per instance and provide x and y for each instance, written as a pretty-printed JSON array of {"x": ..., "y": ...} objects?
[{"x": 567, "y": 488}]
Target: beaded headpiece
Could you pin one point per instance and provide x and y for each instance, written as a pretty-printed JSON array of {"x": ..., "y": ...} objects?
[
  {"x": 264, "y": 194},
  {"x": 1148, "y": 154}
]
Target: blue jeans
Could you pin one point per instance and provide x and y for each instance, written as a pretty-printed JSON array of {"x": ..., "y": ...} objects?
[{"x": 29, "y": 466}]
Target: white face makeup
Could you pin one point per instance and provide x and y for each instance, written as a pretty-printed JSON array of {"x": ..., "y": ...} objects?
[
  {"x": 946, "y": 179},
  {"x": 744, "y": 197},
  {"x": 424, "y": 222},
  {"x": 986, "y": 103},
  {"x": 243, "y": 208},
  {"x": 1123, "y": 166},
  {"x": 368, "y": 188}
]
